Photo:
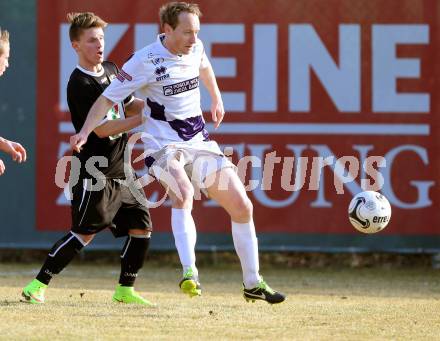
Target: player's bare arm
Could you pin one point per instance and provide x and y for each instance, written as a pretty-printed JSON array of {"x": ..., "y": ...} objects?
[
  {"x": 217, "y": 110},
  {"x": 134, "y": 117},
  {"x": 14, "y": 149},
  {"x": 135, "y": 107},
  {"x": 115, "y": 127},
  {"x": 97, "y": 112}
]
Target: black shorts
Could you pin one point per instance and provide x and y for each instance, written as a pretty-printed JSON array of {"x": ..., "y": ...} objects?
[{"x": 114, "y": 207}]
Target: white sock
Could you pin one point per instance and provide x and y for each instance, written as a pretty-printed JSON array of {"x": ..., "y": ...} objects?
[
  {"x": 246, "y": 246},
  {"x": 185, "y": 236}
]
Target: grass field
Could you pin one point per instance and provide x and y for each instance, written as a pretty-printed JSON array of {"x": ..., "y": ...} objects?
[{"x": 323, "y": 304}]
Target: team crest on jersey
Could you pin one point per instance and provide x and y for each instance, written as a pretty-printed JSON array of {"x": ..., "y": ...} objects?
[
  {"x": 161, "y": 74},
  {"x": 157, "y": 61}
]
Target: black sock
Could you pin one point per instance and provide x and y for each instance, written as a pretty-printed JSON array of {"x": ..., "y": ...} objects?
[
  {"x": 59, "y": 256},
  {"x": 132, "y": 258}
]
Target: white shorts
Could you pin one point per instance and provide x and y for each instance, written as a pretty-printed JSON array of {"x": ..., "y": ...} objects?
[{"x": 198, "y": 159}]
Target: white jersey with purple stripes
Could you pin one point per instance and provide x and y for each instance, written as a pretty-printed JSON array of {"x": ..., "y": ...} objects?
[{"x": 169, "y": 84}]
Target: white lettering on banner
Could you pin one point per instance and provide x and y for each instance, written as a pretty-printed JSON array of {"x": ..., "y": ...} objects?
[
  {"x": 325, "y": 153},
  {"x": 377, "y": 179},
  {"x": 321, "y": 129},
  {"x": 289, "y": 164},
  {"x": 363, "y": 154},
  {"x": 222, "y": 34},
  {"x": 263, "y": 173},
  {"x": 423, "y": 199},
  {"x": 346, "y": 175},
  {"x": 317, "y": 180},
  {"x": 340, "y": 77},
  {"x": 387, "y": 68},
  {"x": 257, "y": 173},
  {"x": 307, "y": 52},
  {"x": 265, "y": 68},
  {"x": 224, "y": 67}
]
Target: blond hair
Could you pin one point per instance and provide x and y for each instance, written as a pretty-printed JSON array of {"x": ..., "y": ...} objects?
[
  {"x": 83, "y": 21},
  {"x": 4, "y": 40},
  {"x": 169, "y": 13}
]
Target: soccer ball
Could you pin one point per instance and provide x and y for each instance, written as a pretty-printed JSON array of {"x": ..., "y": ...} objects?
[{"x": 369, "y": 212}]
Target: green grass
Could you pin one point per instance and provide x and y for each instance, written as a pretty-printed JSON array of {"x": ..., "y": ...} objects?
[{"x": 323, "y": 304}]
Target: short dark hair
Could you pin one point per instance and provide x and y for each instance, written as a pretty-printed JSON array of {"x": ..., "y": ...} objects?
[
  {"x": 4, "y": 39},
  {"x": 169, "y": 13},
  {"x": 83, "y": 21}
]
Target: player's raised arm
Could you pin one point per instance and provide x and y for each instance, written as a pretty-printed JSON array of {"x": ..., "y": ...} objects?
[
  {"x": 208, "y": 78},
  {"x": 99, "y": 109}
]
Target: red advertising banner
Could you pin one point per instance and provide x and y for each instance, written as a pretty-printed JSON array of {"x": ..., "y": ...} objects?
[{"x": 317, "y": 81}]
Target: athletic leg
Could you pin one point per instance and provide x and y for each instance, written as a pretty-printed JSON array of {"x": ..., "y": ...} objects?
[
  {"x": 184, "y": 231},
  {"x": 61, "y": 254},
  {"x": 234, "y": 200}
]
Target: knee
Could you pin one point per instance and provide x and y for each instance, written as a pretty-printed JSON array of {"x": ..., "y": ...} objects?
[
  {"x": 184, "y": 198},
  {"x": 139, "y": 232},
  {"x": 187, "y": 194},
  {"x": 243, "y": 210},
  {"x": 86, "y": 238}
]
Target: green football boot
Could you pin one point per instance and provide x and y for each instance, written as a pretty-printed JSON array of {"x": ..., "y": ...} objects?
[
  {"x": 130, "y": 296},
  {"x": 34, "y": 292},
  {"x": 190, "y": 284}
]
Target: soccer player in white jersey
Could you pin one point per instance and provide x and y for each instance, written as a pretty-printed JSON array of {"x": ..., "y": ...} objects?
[
  {"x": 14, "y": 149},
  {"x": 166, "y": 74}
]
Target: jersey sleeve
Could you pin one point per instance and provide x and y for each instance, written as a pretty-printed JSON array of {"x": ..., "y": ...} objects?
[
  {"x": 129, "y": 99},
  {"x": 130, "y": 78}
]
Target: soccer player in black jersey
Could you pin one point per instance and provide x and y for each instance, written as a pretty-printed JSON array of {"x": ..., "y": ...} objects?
[
  {"x": 14, "y": 149},
  {"x": 113, "y": 205}
]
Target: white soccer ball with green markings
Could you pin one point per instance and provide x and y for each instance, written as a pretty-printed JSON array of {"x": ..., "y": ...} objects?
[{"x": 369, "y": 212}]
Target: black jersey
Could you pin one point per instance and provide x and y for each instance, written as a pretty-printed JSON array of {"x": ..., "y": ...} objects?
[{"x": 83, "y": 90}]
